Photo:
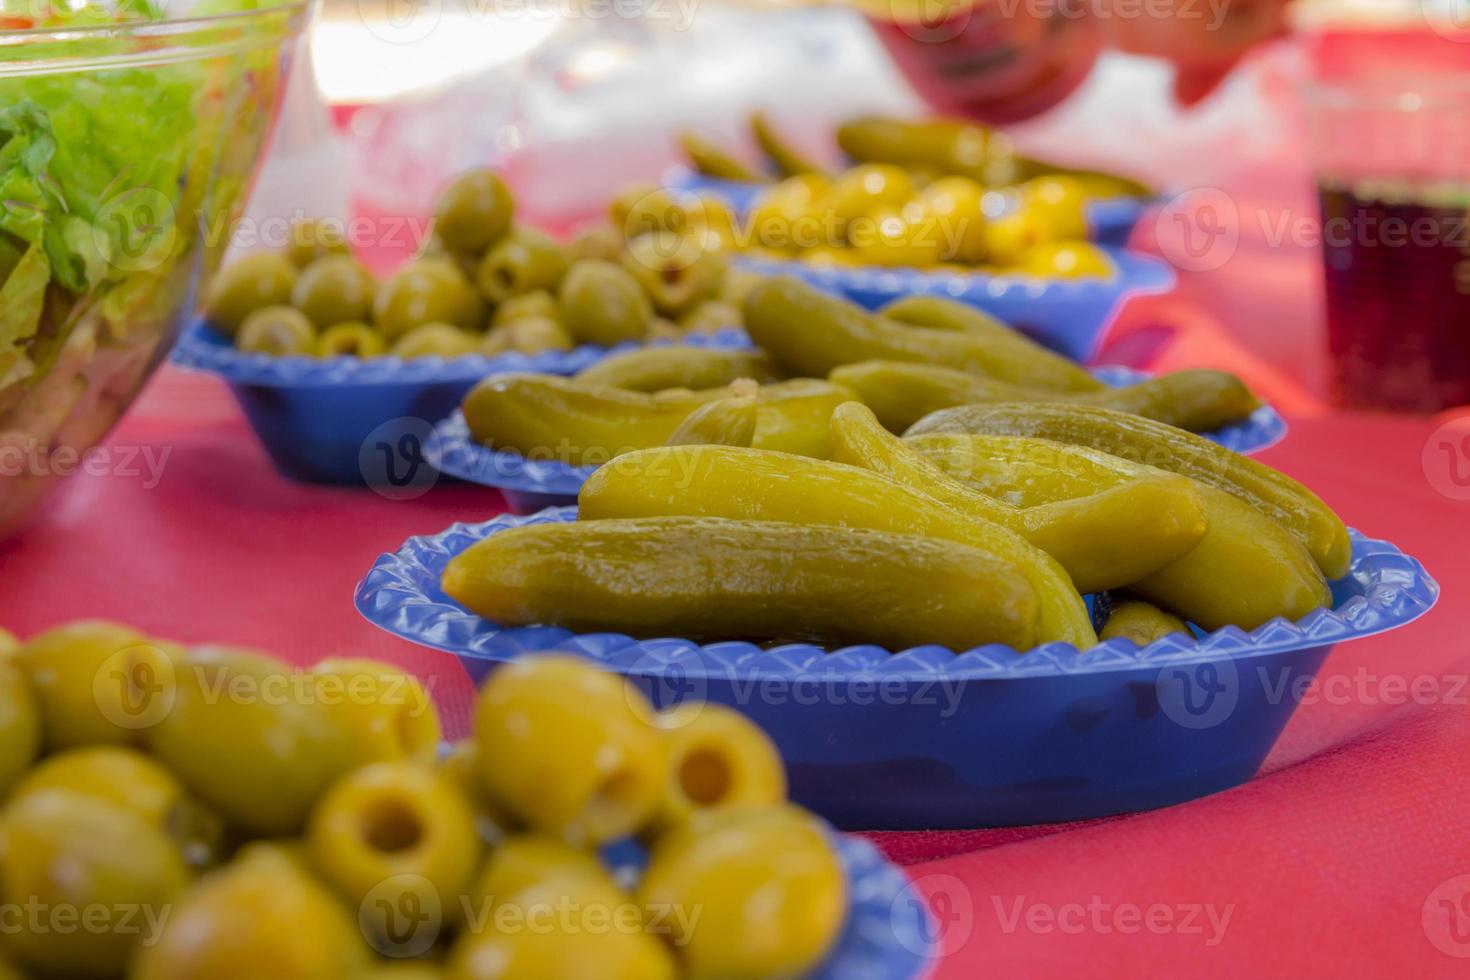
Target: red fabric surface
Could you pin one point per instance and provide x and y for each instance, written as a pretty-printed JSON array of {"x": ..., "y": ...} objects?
[{"x": 1325, "y": 862}]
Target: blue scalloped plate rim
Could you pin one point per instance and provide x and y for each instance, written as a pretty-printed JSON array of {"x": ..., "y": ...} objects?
[
  {"x": 202, "y": 348},
  {"x": 1384, "y": 589},
  {"x": 454, "y": 452},
  {"x": 889, "y": 933},
  {"x": 1112, "y": 219}
]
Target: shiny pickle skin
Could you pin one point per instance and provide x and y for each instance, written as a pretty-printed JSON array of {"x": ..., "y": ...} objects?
[
  {"x": 565, "y": 746},
  {"x": 1104, "y": 540},
  {"x": 246, "y": 743},
  {"x": 789, "y": 161},
  {"x": 1046, "y": 368},
  {"x": 1246, "y": 569},
  {"x": 260, "y": 916},
  {"x": 808, "y": 332},
  {"x": 712, "y": 160},
  {"x": 1141, "y": 622},
  {"x": 20, "y": 725},
  {"x": 772, "y": 892},
  {"x": 940, "y": 145},
  {"x": 727, "y": 421},
  {"x": 719, "y": 482},
  {"x": 651, "y": 369},
  {"x": 66, "y": 850},
  {"x": 903, "y": 392},
  {"x": 602, "y": 304},
  {"x": 544, "y": 416},
  {"x": 756, "y": 578},
  {"x": 1145, "y": 441}
]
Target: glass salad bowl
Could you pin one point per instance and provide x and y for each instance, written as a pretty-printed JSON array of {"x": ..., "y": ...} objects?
[{"x": 128, "y": 142}]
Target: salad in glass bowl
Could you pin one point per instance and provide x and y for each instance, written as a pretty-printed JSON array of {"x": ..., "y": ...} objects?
[{"x": 129, "y": 136}]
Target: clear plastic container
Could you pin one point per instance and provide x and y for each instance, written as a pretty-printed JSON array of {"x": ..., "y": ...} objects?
[{"x": 126, "y": 154}]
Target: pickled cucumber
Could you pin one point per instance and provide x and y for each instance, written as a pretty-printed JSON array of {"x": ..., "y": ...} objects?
[
  {"x": 1145, "y": 441},
  {"x": 751, "y": 484},
  {"x": 678, "y": 366},
  {"x": 748, "y": 578}
]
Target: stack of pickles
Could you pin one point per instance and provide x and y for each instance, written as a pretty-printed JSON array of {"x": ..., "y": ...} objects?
[
  {"x": 932, "y": 195},
  {"x": 483, "y": 284},
  {"x": 951, "y": 484},
  {"x": 206, "y": 813}
]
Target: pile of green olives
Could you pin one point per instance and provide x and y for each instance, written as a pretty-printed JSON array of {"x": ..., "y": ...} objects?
[
  {"x": 482, "y": 284},
  {"x": 173, "y": 813}
]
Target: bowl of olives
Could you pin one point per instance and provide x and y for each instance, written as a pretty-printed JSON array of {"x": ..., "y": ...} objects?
[{"x": 331, "y": 364}]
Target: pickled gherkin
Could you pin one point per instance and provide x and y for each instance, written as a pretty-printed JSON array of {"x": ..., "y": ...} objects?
[
  {"x": 1142, "y": 440},
  {"x": 759, "y": 579},
  {"x": 902, "y": 393},
  {"x": 1104, "y": 540},
  {"x": 1246, "y": 570},
  {"x": 678, "y": 366},
  {"x": 808, "y": 332},
  {"x": 752, "y": 484}
]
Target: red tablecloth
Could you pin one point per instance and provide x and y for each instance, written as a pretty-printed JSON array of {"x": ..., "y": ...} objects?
[{"x": 1343, "y": 858}]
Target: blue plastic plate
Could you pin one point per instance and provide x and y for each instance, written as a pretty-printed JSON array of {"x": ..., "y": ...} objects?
[
  {"x": 529, "y": 485},
  {"x": 1067, "y": 315},
  {"x": 925, "y": 738},
  {"x": 355, "y": 421},
  {"x": 890, "y": 933},
  {"x": 1111, "y": 220}
]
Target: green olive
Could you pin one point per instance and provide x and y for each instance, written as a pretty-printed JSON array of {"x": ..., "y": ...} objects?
[
  {"x": 520, "y": 861},
  {"x": 74, "y": 855},
  {"x": 642, "y": 208},
  {"x": 350, "y": 340},
  {"x": 252, "y": 739},
  {"x": 718, "y": 757},
  {"x": 279, "y": 331},
  {"x": 676, "y": 272},
  {"x": 461, "y": 766},
  {"x": 771, "y": 893},
  {"x": 96, "y": 683},
  {"x": 568, "y": 926},
  {"x": 129, "y": 779},
  {"x": 427, "y": 290},
  {"x": 315, "y": 238},
  {"x": 20, "y": 725},
  {"x": 387, "y": 712},
  {"x": 533, "y": 335},
  {"x": 600, "y": 242},
  {"x": 260, "y": 916},
  {"x": 536, "y": 303},
  {"x": 710, "y": 316},
  {"x": 522, "y": 261},
  {"x": 566, "y": 748},
  {"x": 395, "y": 832},
  {"x": 250, "y": 283},
  {"x": 474, "y": 211},
  {"x": 8, "y": 642},
  {"x": 435, "y": 340},
  {"x": 602, "y": 304},
  {"x": 334, "y": 289}
]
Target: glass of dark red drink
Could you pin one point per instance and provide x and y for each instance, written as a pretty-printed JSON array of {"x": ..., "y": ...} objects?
[{"x": 1393, "y": 164}]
